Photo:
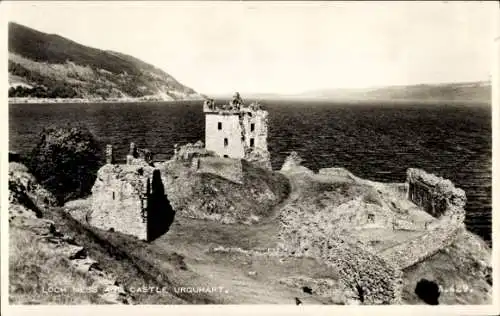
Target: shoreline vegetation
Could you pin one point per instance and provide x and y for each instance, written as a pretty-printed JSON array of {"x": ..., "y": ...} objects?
[{"x": 89, "y": 100}]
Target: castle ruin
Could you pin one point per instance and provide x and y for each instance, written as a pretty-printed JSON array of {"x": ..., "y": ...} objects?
[
  {"x": 237, "y": 130},
  {"x": 376, "y": 274},
  {"x": 437, "y": 196},
  {"x": 130, "y": 198}
]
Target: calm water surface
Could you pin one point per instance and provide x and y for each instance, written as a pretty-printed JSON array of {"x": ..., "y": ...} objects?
[{"x": 374, "y": 141}]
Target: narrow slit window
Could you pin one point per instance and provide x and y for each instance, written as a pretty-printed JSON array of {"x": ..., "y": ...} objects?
[
  {"x": 113, "y": 195},
  {"x": 219, "y": 125},
  {"x": 226, "y": 142},
  {"x": 252, "y": 142},
  {"x": 252, "y": 127}
]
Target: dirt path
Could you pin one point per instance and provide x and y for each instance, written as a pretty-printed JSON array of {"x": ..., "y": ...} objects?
[{"x": 293, "y": 195}]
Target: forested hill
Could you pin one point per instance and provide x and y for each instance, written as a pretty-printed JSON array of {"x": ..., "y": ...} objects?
[{"x": 48, "y": 66}]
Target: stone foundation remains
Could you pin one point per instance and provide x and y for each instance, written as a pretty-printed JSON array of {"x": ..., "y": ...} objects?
[
  {"x": 375, "y": 280},
  {"x": 440, "y": 198},
  {"x": 376, "y": 276}
]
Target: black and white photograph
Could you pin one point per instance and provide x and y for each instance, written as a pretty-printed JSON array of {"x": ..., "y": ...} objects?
[{"x": 290, "y": 153}]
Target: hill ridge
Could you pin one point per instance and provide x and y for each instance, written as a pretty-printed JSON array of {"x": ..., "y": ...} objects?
[{"x": 49, "y": 66}]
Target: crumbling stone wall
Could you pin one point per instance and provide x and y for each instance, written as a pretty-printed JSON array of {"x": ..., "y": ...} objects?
[
  {"x": 293, "y": 162},
  {"x": 434, "y": 194},
  {"x": 409, "y": 253},
  {"x": 109, "y": 154},
  {"x": 377, "y": 276},
  {"x": 189, "y": 151},
  {"x": 118, "y": 200},
  {"x": 130, "y": 199},
  {"x": 137, "y": 156},
  {"x": 256, "y": 151}
]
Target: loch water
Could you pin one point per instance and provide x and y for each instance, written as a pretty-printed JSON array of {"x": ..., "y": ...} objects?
[{"x": 377, "y": 141}]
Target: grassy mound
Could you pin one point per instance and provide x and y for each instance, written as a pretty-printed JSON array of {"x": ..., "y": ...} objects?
[{"x": 208, "y": 196}]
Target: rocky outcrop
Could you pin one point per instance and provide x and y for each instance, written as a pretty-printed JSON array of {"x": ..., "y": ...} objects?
[
  {"x": 293, "y": 164},
  {"x": 50, "y": 240},
  {"x": 25, "y": 189}
]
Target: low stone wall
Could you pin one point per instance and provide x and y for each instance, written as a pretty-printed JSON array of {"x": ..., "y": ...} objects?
[
  {"x": 417, "y": 250},
  {"x": 230, "y": 169}
]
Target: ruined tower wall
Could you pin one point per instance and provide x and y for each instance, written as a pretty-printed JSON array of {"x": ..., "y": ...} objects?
[
  {"x": 118, "y": 203},
  {"x": 437, "y": 196},
  {"x": 259, "y": 133},
  {"x": 237, "y": 131},
  {"x": 231, "y": 130},
  {"x": 256, "y": 139}
]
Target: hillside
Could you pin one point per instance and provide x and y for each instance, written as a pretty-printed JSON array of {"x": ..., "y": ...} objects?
[
  {"x": 49, "y": 66},
  {"x": 467, "y": 92}
]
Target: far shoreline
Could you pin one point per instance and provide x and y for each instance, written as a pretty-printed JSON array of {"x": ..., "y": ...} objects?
[{"x": 39, "y": 101}]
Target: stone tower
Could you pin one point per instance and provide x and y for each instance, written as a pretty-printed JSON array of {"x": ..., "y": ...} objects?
[{"x": 237, "y": 130}]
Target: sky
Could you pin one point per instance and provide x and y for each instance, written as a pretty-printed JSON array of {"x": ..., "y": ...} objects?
[{"x": 283, "y": 47}]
